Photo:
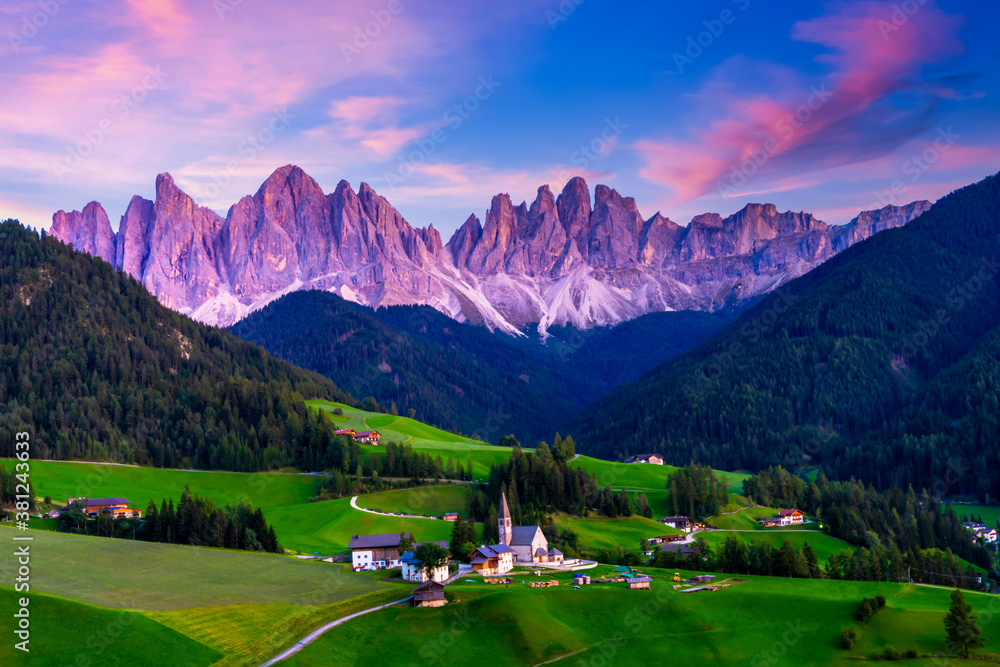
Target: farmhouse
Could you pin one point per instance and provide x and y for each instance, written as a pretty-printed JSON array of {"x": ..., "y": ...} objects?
[
  {"x": 451, "y": 516},
  {"x": 375, "y": 552},
  {"x": 414, "y": 570},
  {"x": 116, "y": 507},
  {"x": 429, "y": 594},
  {"x": 789, "y": 517},
  {"x": 368, "y": 437},
  {"x": 655, "y": 459},
  {"x": 679, "y": 522},
  {"x": 680, "y": 549},
  {"x": 493, "y": 559}
]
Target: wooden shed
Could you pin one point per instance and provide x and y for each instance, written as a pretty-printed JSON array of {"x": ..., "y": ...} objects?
[{"x": 429, "y": 594}]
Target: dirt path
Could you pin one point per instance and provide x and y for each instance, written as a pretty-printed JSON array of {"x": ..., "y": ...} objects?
[{"x": 315, "y": 634}]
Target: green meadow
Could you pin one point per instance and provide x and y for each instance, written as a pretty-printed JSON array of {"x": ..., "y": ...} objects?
[
  {"x": 327, "y": 526},
  {"x": 64, "y": 480},
  {"x": 824, "y": 545},
  {"x": 643, "y": 476},
  {"x": 761, "y": 621},
  {"x": 66, "y": 632},
  {"x": 601, "y": 533},
  {"x": 425, "y": 500},
  {"x": 143, "y": 575}
]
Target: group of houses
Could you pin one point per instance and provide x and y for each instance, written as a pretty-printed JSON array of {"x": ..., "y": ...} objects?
[
  {"x": 784, "y": 518},
  {"x": 655, "y": 459},
  {"x": 365, "y": 437},
  {"x": 981, "y": 531},
  {"x": 383, "y": 552}
]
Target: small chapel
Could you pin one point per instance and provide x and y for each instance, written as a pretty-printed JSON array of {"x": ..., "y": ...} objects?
[{"x": 527, "y": 542}]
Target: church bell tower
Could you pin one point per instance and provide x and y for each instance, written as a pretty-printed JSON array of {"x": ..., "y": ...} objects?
[{"x": 503, "y": 521}]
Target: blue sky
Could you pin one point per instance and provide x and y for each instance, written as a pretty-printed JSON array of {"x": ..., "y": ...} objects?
[{"x": 828, "y": 107}]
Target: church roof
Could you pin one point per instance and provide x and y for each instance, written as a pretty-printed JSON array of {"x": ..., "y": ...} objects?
[
  {"x": 504, "y": 510},
  {"x": 523, "y": 535}
]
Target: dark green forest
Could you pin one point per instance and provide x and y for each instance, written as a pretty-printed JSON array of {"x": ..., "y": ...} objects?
[
  {"x": 455, "y": 376},
  {"x": 95, "y": 369},
  {"x": 883, "y": 363}
]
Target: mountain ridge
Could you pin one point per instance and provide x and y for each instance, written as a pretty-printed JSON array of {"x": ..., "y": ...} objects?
[{"x": 562, "y": 260}]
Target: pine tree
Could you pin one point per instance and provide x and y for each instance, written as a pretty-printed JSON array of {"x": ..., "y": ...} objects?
[{"x": 961, "y": 628}]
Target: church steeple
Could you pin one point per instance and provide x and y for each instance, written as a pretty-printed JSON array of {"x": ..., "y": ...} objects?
[{"x": 503, "y": 521}]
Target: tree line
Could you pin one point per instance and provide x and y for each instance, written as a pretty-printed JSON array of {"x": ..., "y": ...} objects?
[{"x": 193, "y": 521}]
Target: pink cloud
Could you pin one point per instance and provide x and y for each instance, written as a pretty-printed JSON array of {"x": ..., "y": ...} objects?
[{"x": 802, "y": 125}]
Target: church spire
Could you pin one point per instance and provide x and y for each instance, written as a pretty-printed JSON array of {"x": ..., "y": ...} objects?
[{"x": 503, "y": 521}]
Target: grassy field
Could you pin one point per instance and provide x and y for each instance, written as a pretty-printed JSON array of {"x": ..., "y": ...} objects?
[
  {"x": 598, "y": 533},
  {"x": 249, "y": 634},
  {"x": 66, "y": 632},
  {"x": 327, "y": 526},
  {"x": 824, "y": 545},
  {"x": 762, "y": 621},
  {"x": 140, "y": 485},
  {"x": 746, "y": 519},
  {"x": 141, "y": 575},
  {"x": 420, "y": 436},
  {"x": 424, "y": 500},
  {"x": 642, "y": 476}
]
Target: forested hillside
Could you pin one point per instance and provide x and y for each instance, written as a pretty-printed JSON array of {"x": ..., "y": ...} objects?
[
  {"x": 95, "y": 369},
  {"x": 883, "y": 363},
  {"x": 462, "y": 377},
  {"x": 456, "y": 376}
]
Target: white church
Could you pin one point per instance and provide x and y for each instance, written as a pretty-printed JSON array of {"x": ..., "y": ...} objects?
[{"x": 527, "y": 542}]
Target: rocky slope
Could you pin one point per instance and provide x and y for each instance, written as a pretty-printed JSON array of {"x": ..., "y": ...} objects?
[{"x": 560, "y": 260}]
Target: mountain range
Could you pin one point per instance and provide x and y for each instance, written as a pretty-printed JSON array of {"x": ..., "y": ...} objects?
[{"x": 562, "y": 260}]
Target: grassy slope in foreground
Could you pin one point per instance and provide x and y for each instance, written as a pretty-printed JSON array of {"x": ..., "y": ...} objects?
[
  {"x": 612, "y": 625},
  {"x": 142, "y": 575},
  {"x": 66, "y": 632}
]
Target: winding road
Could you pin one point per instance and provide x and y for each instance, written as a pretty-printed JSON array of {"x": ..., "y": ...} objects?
[{"x": 354, "y": 504}]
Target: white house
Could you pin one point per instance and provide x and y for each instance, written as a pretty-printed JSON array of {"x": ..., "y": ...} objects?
[
  {"x": 790, "y": 517},
  {"x": 679, "y": 522},
  {"x": 413, "y": 569},
  {"x": 375, "y": 552}
]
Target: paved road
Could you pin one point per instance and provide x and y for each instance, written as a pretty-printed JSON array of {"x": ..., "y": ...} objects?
[
  {"x": 314, "y": 635},
  {"x": 354, "y": 504}
]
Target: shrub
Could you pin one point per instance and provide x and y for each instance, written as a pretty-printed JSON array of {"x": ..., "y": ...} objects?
[
  {"x": 911, "y": 654},
  {"x": 890, "y": 653},
  {"x": 880, "y": 601},
  {"x": 848, "y": 636},
  {"x": 865, "y": 610}
]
